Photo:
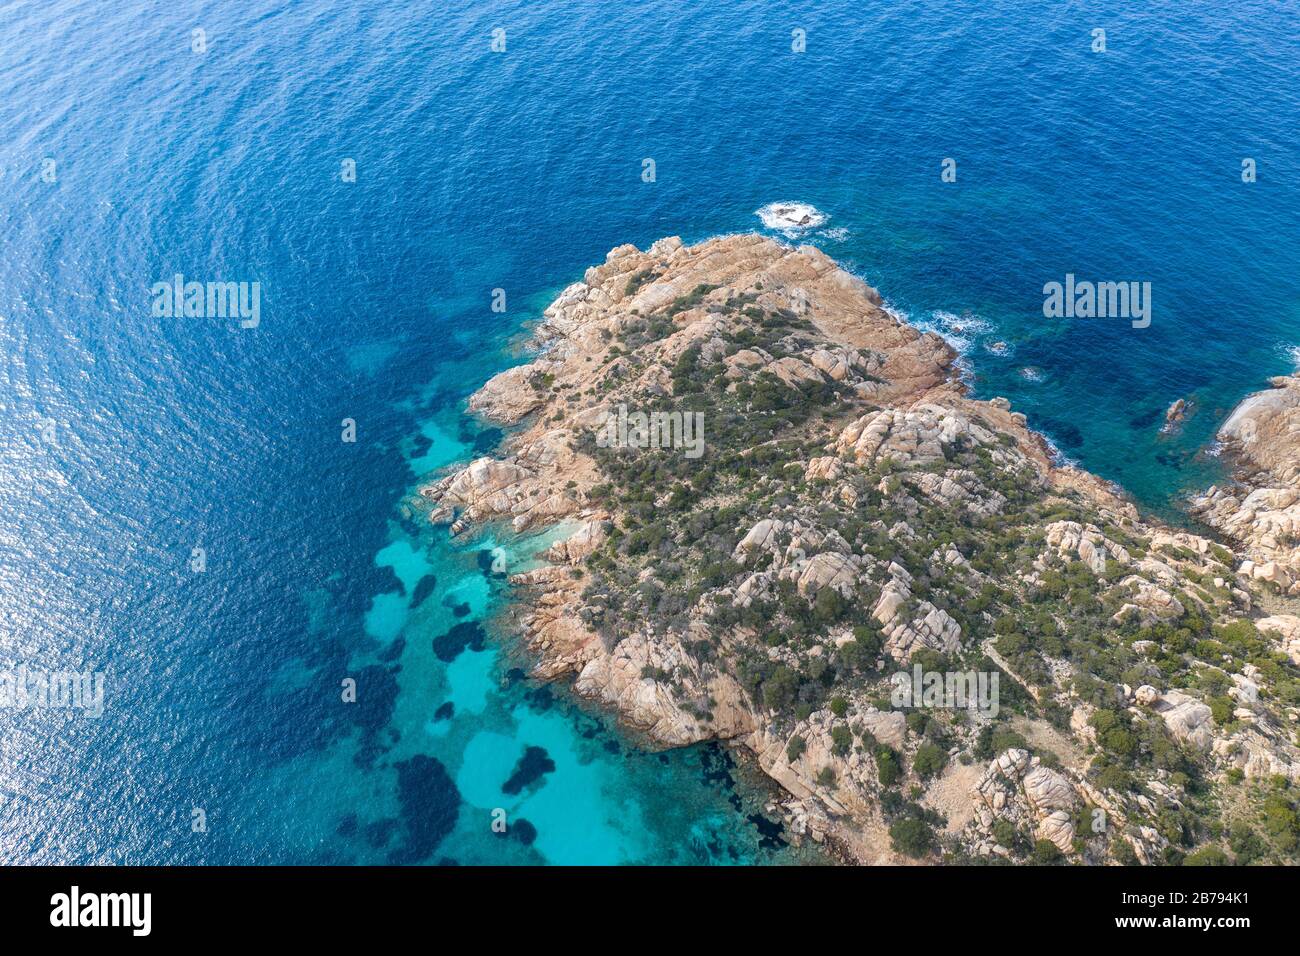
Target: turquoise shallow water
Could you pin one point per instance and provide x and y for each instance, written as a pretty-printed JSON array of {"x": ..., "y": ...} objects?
[{"x": 127, "y": 441}]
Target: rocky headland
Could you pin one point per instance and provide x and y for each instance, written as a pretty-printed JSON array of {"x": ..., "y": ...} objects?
[
  {"x": 855, "y": 514},
  {"x": 1262, "y": 512}
]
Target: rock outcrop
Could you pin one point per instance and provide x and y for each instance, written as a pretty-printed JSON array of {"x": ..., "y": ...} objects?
[{"x": 1019, "y": 789}]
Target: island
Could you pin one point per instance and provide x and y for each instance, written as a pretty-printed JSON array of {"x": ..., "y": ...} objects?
[{"x": 855, "y": 515}]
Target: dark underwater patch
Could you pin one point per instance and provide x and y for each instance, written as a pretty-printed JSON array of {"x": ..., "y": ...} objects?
[
  {"x": 430, "y": 804},
  {"x": 390, "y": 581},
  {"x": 380, "y": 833},
  {"x": 372, "y": 711},
  {"x": 532, "y": 766},
  {"x": 424, "y": 589},
  {"x": 368, "y": 753},
  {"x": 487, "y": 440},
  {"x": 465, "y": 634},
  {"x": 771, "y": 833},
  {"x": 587, "y": 726},
  {"x": 460, "y": 610},
  {"x": 1064, "y": 434},
  {"x": 523, "y": 831},
  {"x": 541, "y": 698},
  {"x": 421, "y": 445},
  {"x": 717, "y": 765},
  {"x": 393, "y": 651},
  {"x": 1174, "y": 459},
  {"x": 445, "y": 712},
  {"x": 353, "y": 593},
  {"x": 376, "y": 697},
  {"x": 485, "y": 560},
  {"x": 1144, "y": 419}
]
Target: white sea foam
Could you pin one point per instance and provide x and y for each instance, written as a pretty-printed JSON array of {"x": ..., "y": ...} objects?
[
  {"x": 960, "y": 343},
  {"x": 791, "y": 218},
  {"x": 896, "y": 312},
  {"x": 838, "y": 234},
  {"x": 1292, "y": 352},
  {"x": 962, "y": 332},
  {"x": 1059, "y": 458},
  {"x": 1031, "y": 374},
  {"x": 965, "y": 325}
]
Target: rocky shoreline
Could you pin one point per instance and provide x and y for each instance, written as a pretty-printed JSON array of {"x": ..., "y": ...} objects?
[
  {"x": 856, "y": 512},
  {"x": 1262, "y": 438}
]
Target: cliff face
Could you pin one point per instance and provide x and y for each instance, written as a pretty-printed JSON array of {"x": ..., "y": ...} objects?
[{"x": 810, "y": 505}]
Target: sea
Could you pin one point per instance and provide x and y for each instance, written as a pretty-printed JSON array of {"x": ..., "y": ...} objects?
[{"x": 295, "y": 667}]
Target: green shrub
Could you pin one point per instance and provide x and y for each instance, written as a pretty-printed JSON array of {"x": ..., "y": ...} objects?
[
  {"x": 912, "y": 837},
  {"x": 1221, "y": 710},
  {"x": 842, "y": 739},
  {"x": 1006, "y": 834},
  {"x": 1207, "y": 856},
  {"x": 888, "y": 767},
  {"x": 1046, "y": 853},
  {"x": 929, "y": 761}
]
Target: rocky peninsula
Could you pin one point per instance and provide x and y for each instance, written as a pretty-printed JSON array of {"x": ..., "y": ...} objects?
[{"x": 855, "y": 514}]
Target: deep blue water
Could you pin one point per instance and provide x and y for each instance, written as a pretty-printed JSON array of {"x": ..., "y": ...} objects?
[{"x": 128, "y": 440}]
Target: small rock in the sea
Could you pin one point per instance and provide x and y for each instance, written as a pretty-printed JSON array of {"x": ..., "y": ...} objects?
[
  {"x": 791, "y": 217},
  {"x": 1176, "y": 414}
]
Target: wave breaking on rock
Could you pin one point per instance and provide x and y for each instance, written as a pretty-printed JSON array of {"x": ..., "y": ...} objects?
[{"x": 791, "y": 219}]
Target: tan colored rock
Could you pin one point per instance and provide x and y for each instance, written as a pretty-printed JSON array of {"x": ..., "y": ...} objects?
[
  {"x": 827, "y": 468},
  {"x": 508, "y": 396},
  {"x": 761, "y": 537},
  {"x": 1148, "y": 696},
  {"x": 578, "y": 546},
  {"x": 795, "y": 372},
  {"x": 1187, "y": 718},
  {"x": 829, "y": 569},
  {"x": 1149, "y": 603}
]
